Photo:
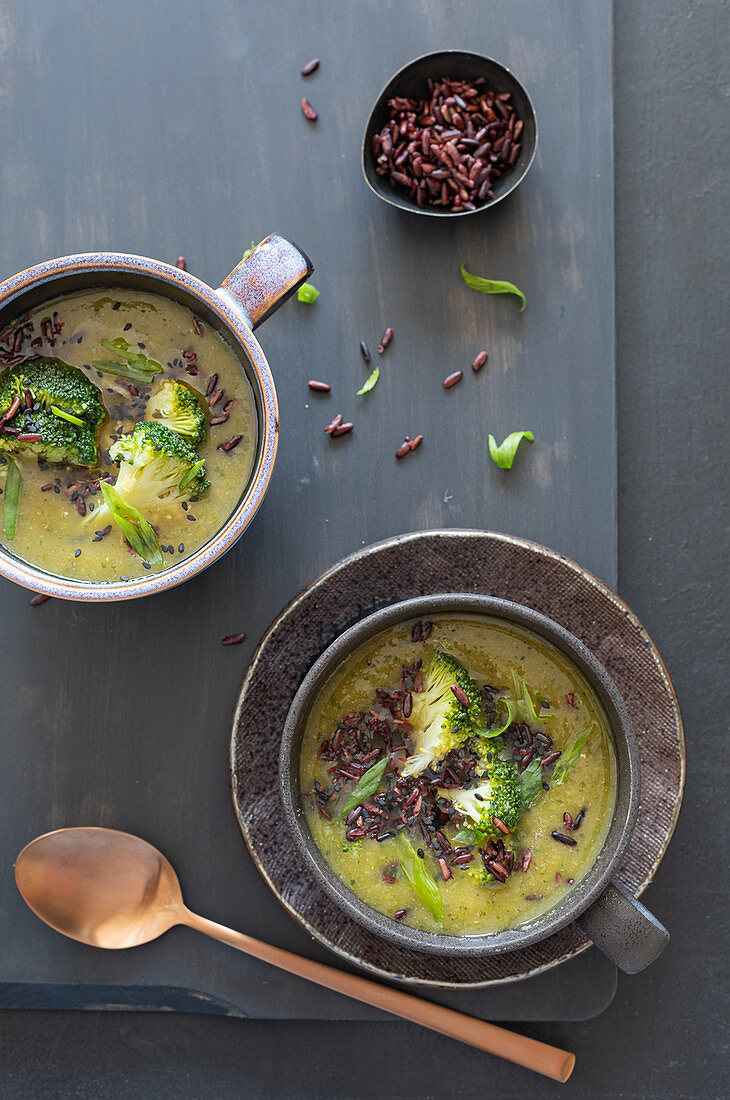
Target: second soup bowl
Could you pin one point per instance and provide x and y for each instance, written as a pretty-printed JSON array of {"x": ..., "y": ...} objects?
[{"x": 608, "y": 913}]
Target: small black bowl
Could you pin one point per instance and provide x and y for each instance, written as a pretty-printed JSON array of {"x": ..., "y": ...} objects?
[
  {"x": 410, "y": 81},
  {"x": 609, "y": 914}
]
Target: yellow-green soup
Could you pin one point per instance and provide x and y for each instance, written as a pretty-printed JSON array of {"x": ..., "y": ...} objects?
[
  {"x": 51, "y": 531},
  {"x": 345, "y": 717}
]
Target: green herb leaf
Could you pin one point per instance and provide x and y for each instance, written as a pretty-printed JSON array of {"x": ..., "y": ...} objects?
[
  {"x": 137, "y": 531},
  {"x": 13, "y": 484},
  {"x": 531, "y": 782},
  {"x": 524, "y": 706},
  {"x": 307, "y": 293},
  {"x": 67, "y": 416},
  {"x": 496, "y": 731},
  {"x": 371, "y": 382},
  {"x": 570, "y": 754},
  {"x": 469, "y": 836},
  {"x": 132, "y": 364},
  {"x": 492, "y": 286},
  {"x": 366, "y": 785},
  {"x": 191, "y": 474},
  {"x": 504, "y": 453},
  {"x": 248, "y": 251},
  {"x": 416, "y": 871}
]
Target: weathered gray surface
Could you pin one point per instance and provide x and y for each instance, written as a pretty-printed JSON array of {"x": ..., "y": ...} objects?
[
  {"x": 176, "y": 132},
  {"x": 663, "y": 1035}
]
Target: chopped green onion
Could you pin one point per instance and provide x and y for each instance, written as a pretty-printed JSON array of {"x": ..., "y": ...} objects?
[
  {"x": 504, "y": 453},
  {"x": 307, "y": 293},
  {"x": 366, "y": 785},
  {"x": 137, "y": 531},
  {"x": 191, "y": 474},
  {"x": 496, "y": 731},
  {"x": 13, "y": 485},
  {"x": 133, "y": 365},
  {"x": 570, "y": 754},
  {"x": 423, "y": 886},
  {"x": 370, "y": 383},
  {"x": 531, "y": 782},
  {"x": 248, "y": 251},
  {"x": 492, "y": 286},
  {"x": 67, "y": 416}
]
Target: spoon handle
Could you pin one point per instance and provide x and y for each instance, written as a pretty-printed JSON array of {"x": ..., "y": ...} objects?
[{"x": 540, "y": 1057}]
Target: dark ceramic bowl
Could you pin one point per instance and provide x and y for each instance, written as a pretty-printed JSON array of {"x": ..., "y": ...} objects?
[
  {"x": 410, "y": 81},
  {"x": 263, "y": 280},
  {"x": 620, "y": 926}
]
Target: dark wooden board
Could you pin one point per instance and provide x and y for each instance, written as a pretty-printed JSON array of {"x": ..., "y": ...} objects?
[{"x": 176, "y": 128}]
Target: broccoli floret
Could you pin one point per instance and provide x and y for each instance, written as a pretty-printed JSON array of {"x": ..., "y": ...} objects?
[
  {"x": 60, "y": 441},
  {"x": 51, "y": 382},
  {"x": 178, "y": 407},
  {"x": 498, "y": 794},
  {"x": 156, "y": 466},
  {"x": 440, "y": 722}
]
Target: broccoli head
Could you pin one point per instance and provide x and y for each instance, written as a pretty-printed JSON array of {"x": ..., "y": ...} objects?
[
  {"x": 440, "y": 720},
  {"x": 156, "y": 466},
  {"x": 178, "y": 407},
  {"x": 45, "y": 435},
  {"x": 497, "y": 794},
  {"x": 52, "y": 382}
]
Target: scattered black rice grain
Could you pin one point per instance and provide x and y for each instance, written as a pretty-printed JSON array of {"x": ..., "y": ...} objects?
[
  {"x": 334, "y": 423},
  {"x": 233, "y": 442},
  {"x": 181, "y": 263},
  {"x": 319, "y": 387},
  {"x": 212, "y": 383},
  {"x": 39, "y": 599},
  {"x": 479, "y": 362},
  {"x": 548, "y": 760},
  {"x": 498, "y": 824},
  {"x": 385, "y": 340},
  {"x": 452, "y": 379},
  {"x": 311, "y": 67},
  {"x": 198, "y": 327},
  {"x": 308, "y": 110},
  {"x": 460, "y": 695},
  {"x": 400, "y": 914},
  {"x": 563, "y": 839},
  {"x": 365, "y": 351},
  {"x": 233, "y": 639},
  {"x": 578, "y": 819},
  {"x": 568, "y": 820},
  {"x": 218, "y": 419},
  {"x": 404, "y": 448}
]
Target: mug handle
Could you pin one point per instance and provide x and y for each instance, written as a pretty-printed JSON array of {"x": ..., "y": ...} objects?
[
  {"x": 624, "y": 929},
  {"x": 266, "y": 276}
]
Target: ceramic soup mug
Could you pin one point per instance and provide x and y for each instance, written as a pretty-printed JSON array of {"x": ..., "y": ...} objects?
[
  {"x": 603, "y": 908},
  {"x": 264, "y": 279}
]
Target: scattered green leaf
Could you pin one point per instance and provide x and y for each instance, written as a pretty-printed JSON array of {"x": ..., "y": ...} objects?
[
  {"x": 416, "y": 871},
  {"x": 570, "y": 754},
  {"x": 11, "y": 508},
  {"x": 504, "y": 453},
  {"x": 366, "y": 785},
  {"x": 307, "y": 293},
  {"x": 132, "y": 364},
  {"x": 248, "y": 251},
  {"x": 492, "y": 286},
  {"x": 139, "y": 533},
  {"x": 531, "y": 782},
  {"x": 67, "y": 416},
  {"x": 371, "y": 382}
]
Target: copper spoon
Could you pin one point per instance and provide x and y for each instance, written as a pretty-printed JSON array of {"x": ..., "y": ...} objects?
[{"x": 112, "y": 889}]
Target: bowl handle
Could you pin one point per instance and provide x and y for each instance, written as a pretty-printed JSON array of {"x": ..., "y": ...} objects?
[
  {"x": 623, "y": 929},
  {"x": 266, "y": 276}
]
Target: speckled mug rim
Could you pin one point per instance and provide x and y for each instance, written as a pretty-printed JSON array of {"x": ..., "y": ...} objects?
[
  {"x": 52, "y": 271},
  {"x": 587, "y": 891}
]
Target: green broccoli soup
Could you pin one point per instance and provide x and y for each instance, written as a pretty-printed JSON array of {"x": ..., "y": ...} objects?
[
  {"x": 127, "y": 435},
  {"x": 459, "y": 776}
]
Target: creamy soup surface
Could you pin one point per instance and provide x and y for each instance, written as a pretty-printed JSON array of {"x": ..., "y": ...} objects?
[
  {"x": 342, "y": 728},
  {"x": 50, "y": 531}
]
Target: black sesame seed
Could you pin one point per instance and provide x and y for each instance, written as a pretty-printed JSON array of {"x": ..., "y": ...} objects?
[
  {"x": 77, "y": 553},
  {"x": 478, "y": 797},
  {"x": 184, "y": 506},
  {"x": 128, "y": 326},
  {"x": 117, "y": 305},
  {"x": 545, "y": 787},
  {"x": 420, "y": 853},
  {"x": 123, "y": 577},
  {"x": 190, "y": 518},
  {"x": 181, "y": 548}
]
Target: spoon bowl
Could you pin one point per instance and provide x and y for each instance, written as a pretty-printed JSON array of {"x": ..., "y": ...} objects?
[{"x": 99, "y": 886}]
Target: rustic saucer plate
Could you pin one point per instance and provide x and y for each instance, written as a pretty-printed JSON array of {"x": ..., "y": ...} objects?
[{"x": 418, "y": 564}]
